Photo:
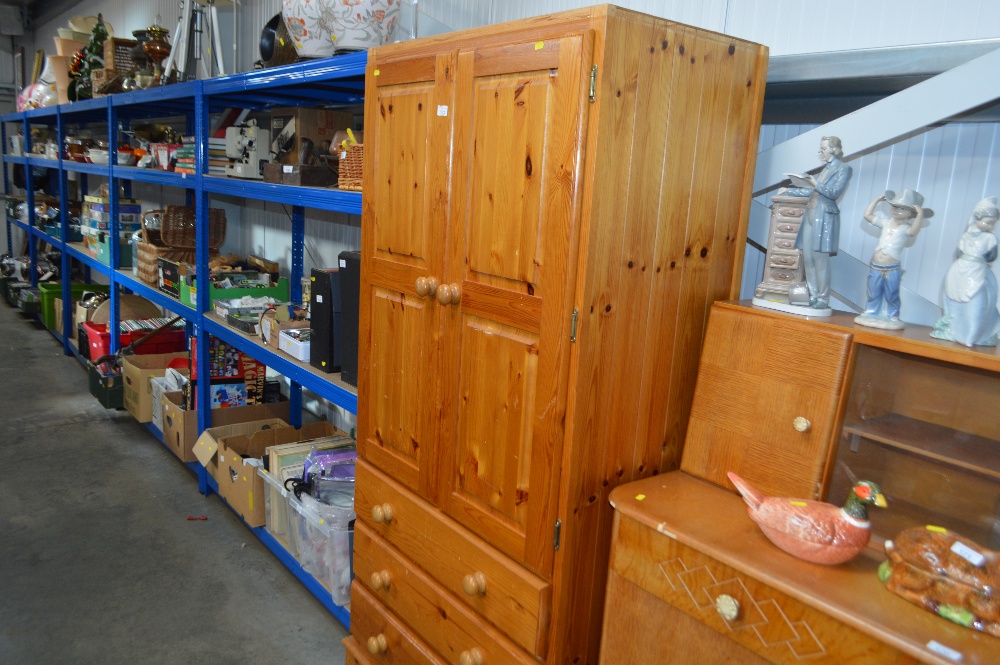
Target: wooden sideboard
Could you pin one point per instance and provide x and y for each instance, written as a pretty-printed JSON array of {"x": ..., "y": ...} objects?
[
  {"x": 916, "y": 415},
  {"x": 680, "y": 543}
]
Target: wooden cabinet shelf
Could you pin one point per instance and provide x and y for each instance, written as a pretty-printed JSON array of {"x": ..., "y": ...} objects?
[{"x": 935, "y": 442}]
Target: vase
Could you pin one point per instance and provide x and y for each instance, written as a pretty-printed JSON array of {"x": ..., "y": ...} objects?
[
  {"x": 320, "y": 28},
  {"x": 157, "y": 49},
  {"x": 42, "y": 92}
]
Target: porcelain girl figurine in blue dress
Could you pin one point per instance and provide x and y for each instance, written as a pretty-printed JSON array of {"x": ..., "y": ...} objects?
[
  {"x": 819, "y": 233},
  {"x": 885, "y": 270},
  {"x": 970, "y": 287}
]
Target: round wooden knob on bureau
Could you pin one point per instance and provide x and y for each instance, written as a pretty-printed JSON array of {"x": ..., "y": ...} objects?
[
  {"x": 425, "y": 286},
  {"x": 801, "y": 424},
  {"x": 380, "y": 579},
  {"x": 382, "y": 513},
  {"x": 727, "y": 607},
  {"x": 474, "y": 584},
  {"x": 471, "y": 657},
  {"x": 449, "y": 294},
  {"x": 377, "y": 644}
]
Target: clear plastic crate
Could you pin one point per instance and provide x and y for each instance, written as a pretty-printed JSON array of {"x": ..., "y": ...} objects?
[
  {"x": 280, "y": 519},
  {"x": 324, "y": 551}
]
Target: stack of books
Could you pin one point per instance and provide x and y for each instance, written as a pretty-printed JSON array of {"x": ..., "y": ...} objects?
[
  {"x": 185, "y": 159},
  {"x": 217, "y": 160}
]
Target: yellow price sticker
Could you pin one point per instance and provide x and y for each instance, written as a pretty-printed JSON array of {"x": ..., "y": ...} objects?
[
  {"x": 936, "y": 529},
  {"x": 801, "y": 504},
  {"x": 640, "y": 497},
  {"x": 377, "y": 72},
  {"x": 539, "y": 46}
]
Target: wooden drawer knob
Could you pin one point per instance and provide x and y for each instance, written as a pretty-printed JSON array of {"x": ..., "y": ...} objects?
[
  {"x": 426, "y": 286},
  {"x": 727, "y": 607},
  {"x": 474, "y": 584},
  {"x": 449, "y": 294},
  {"x": 380, "y": 580},
  {"x": 471, "y": 657},
  {"x": 801, "y": 424},
  {"x": 377, "y": 644},
  {"x": 382, "y": 514}
]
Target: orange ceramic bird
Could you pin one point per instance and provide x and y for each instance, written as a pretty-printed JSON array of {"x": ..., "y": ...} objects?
[{"x": 813, "y": 530}]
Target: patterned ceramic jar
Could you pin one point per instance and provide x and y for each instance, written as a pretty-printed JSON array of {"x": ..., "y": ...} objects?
[{"x": 321, "y": 27}]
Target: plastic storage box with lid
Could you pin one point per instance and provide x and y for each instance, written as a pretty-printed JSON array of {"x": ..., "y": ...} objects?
[{"x": 296, "y": 343}]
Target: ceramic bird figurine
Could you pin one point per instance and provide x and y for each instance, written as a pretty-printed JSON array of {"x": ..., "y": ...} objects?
[{"x": 813, "y": 530}]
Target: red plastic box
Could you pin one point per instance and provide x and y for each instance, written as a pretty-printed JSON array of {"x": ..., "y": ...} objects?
[{"x": 168, "y": 341}]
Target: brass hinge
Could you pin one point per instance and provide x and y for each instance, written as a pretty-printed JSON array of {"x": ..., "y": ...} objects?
[
  {"x": 558, "y": 532},
  {"x": 572, "y": 326},
  {"x": 593, "y": 84}
]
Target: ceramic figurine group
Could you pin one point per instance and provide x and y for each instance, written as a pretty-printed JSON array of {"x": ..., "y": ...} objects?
[
  {"x": 970, "y": 286},
  {"x": 929, "y": 566}
]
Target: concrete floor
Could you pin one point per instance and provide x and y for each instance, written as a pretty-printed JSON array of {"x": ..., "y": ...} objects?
[{"x": 98, "y": 563}]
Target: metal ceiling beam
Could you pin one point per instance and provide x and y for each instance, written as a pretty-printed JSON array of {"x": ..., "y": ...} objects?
[{"x": 966, "y": 87}]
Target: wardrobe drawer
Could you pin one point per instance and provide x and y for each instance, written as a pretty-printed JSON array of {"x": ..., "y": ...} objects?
[
  {"x": 447, "y": 625},
  {"x": 478, "y": 575},
  {"x": 380, "y": 637},
  {"x": 767, "y": 622}
]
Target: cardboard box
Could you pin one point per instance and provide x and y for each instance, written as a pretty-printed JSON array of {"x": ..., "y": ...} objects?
[
  {"x": 164, "y": 152},
  {"x": 169, "y": 275},
  {"x": 301, "y": 135},
  {"x": 239, "y": 457},
  {"x": 137, "y": 371},
  {"x": 180, "y": 427},
  {"x": 270, "y": 329},
  {"x": 206, "y": 448}
]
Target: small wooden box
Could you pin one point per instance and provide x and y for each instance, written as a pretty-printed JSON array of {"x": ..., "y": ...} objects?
[
  {"x": 302, "y": 176},
  {"x": 99, "y": 77}
]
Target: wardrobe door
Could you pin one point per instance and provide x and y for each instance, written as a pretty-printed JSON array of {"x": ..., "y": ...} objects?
[{"x": 520, "y": 115}]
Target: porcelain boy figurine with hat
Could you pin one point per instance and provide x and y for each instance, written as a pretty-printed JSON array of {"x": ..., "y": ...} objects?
[{"x": 885, "y": 272}]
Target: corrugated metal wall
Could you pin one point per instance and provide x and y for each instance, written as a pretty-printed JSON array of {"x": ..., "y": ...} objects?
[{"x": 953, "y": 166}]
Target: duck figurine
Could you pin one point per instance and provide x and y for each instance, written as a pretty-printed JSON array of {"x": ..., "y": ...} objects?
[{"x": 813, "y": 530}]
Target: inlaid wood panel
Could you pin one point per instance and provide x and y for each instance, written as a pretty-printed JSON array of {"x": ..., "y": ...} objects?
[{"x": 768, "y": 622}]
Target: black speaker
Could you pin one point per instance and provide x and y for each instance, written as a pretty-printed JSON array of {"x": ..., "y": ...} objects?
[
  {"x": 324, "y": 319},
  {"x": 350, "y": 298}
]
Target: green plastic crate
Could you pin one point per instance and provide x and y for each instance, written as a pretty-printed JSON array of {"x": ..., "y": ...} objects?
[
  {"x": 52, "y": 290},
  {"x": 189, "y": 292},
  {"x": 109, "y": 390}
]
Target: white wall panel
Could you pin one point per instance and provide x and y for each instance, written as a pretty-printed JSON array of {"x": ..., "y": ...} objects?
[{"x": 793, "y": 26}]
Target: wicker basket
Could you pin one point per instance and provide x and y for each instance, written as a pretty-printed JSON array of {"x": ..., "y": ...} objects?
[
  {"x": 177, "y": 227},
  {"x": 349, "y": 171}
]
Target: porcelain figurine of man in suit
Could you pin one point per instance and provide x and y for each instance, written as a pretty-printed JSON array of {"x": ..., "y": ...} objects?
[{"x": 819, "y": 233}]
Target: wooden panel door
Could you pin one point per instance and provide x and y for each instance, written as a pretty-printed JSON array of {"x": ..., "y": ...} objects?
[
  {"x": 520, "y": 116},
  {"x": 404, "y": 224},
  {"x": 759, "y": 373}
]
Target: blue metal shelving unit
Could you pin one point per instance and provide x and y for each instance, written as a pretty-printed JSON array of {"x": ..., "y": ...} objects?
[{"x": 330, "y": 82}]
